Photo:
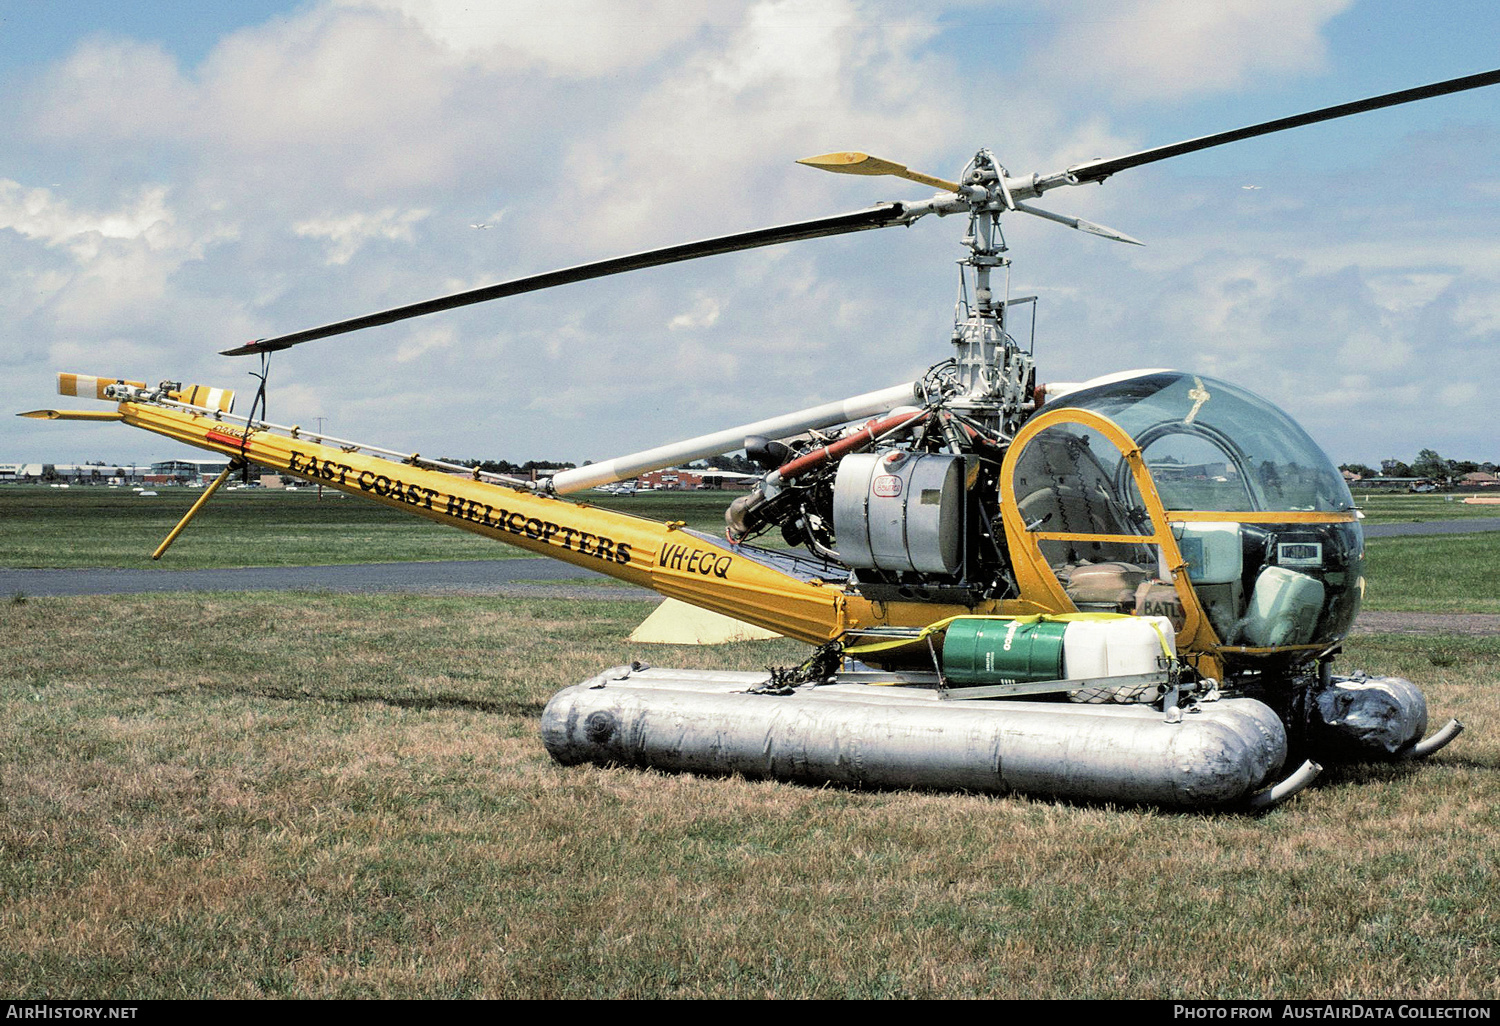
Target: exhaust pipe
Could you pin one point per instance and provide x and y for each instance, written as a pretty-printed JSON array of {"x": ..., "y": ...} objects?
[
  {"x": 1278, "y": 793},
  {"x": 1422, "y": 749}
]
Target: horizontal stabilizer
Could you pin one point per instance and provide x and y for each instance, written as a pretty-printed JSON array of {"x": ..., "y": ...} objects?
[{"x": 72, "y": 414}]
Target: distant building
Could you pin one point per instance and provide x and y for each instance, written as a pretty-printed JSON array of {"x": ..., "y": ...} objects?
[
  {"x": 1194, "y": 471},
  {"x": 679, "y": 479},
  {"x": 185, "y": 472},
  {"x": 1380, "y": 483},
  {"x": 70, "y": 473},
  {"x": 173, "y": 472},
  {"x": 166, "y": 472}
]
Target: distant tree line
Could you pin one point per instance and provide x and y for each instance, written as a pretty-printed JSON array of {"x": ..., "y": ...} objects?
[
  {"x": 1428, "y": 464},
  {"x": 734, "y": 461},
  {"x": 507, "y": 467}
]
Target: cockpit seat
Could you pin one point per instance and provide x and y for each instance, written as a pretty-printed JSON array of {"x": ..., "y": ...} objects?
[{"x": 1091, "y": 585}]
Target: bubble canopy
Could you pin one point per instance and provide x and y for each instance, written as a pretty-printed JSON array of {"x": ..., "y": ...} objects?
[
  {"x": 1213, "y": 446},
  {"x": 1264, "y": 523}
]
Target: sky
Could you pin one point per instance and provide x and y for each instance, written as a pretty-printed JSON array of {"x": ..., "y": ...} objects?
[{"x": 177, "y": 178}]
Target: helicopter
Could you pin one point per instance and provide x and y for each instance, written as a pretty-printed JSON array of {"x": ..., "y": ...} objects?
[{"x": 1129, "y": 588}]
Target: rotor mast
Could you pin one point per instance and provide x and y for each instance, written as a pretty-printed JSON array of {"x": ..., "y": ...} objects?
[{"x": 993, "y": 373}]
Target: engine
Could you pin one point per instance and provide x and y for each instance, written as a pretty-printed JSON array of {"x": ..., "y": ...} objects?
[{"x": 908, "y": 503}]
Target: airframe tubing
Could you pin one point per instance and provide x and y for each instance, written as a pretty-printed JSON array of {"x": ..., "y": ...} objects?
[
  {"x": 1292, "y": 785},
  {"x": 644, "y": 552},
  {"x": 1422, "y": 749},
  {"x": 624, "y": 467}
]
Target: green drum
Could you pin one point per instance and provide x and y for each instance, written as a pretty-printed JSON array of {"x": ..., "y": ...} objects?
[{"x": 977, "y": 650}]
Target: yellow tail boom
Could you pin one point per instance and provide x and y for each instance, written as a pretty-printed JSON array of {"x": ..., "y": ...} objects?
[{"x": 772, "y": 590}]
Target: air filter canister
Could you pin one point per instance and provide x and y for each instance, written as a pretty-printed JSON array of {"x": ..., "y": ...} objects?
[{"x": 897, "y": 510}]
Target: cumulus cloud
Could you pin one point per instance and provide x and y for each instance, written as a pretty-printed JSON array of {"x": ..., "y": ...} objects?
[
  {"x": 328, "y": 162},
  {"x": 323, "y": 78},
  {"x": 1478, "y": 311},
  {"x": 346, "y": 233},
  {"x": 39, "y": 213},
  {"x": 1152, "y": 49},
  {"x": 423, "y": 341},
  {"x": 704, "y": 314},
  {"x": 361, "y": 98},
  {"x": 794, "y": 77},
  {"x": 571, "y": 38},
  {"x": 119, "y": 275},
  {"x": 112, "y": 89}
]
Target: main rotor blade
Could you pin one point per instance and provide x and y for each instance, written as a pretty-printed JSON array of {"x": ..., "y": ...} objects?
[
  {"x": 882, "y": 215},
  {"x": 1098, "y": 170}
]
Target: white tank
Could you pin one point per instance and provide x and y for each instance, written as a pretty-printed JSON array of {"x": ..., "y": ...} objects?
[
  {"x": 1086, "y": 649},
  {"x": 1116, "y": 648},
  {"x": 1284, "y": 608},
  {"x": 1212, "y": 551},
  {"x": 1138, "y": 643}
]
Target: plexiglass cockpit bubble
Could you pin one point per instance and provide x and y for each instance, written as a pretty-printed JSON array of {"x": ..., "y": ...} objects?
[{"x": 1278, "y": 565}]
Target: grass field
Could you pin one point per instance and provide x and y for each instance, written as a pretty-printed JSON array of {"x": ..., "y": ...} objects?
[
  {"x": 85, "y": 527},
  {"x": 1382, "y": 508},
  {"x": 1451, "y": 573},
  {"x": 44, "y": 527},
  {"x": 331, "y": 796},
  {"x": 317, "y": 795},
  {"x": 105, "y": 527}
]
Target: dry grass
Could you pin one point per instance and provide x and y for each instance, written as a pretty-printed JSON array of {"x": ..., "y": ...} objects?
[
  {"x": 114, "y": 527},
  {"x": 334, "y": 796}
]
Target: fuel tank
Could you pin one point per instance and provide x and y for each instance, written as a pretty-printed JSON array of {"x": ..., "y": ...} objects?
[{"x": 863, "y": 735}]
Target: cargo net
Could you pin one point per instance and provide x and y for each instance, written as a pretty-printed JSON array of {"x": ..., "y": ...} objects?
[
  {"x": 1105, "y": 693},
  {"x": 818, "y": 668},
  {"x": 1120, "y": 694},
  {"x": 1164, "y": 669}
]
